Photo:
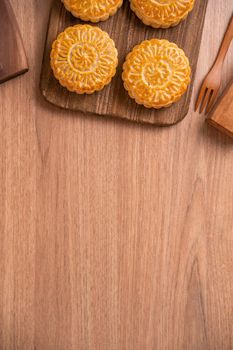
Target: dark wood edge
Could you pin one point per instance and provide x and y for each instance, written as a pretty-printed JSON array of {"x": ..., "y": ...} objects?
[
  {"x": 119, "y": 118},
  {"x": 14, "y": 75},
  {"x": 219, "y": 127}
]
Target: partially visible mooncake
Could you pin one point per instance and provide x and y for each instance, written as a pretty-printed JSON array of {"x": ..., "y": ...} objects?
[
  {"x": 93, "y": 10},
  {"x": 84, "y": 59},
  {"x": 162, "y": 13},
  {"x": 156, "y": 73}
]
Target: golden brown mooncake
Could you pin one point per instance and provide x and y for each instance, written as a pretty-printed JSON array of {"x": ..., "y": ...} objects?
[
  {"x": 84, "y": 59},
  {"x": 156, "y": 73},
  {"x": 162, "y": 13},
  {"x": 93, "y": 10}
]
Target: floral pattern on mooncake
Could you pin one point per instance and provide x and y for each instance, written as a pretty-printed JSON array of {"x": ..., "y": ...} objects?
[
  {"x": 156, "y": 73},
  {"x": 162, "y": 13},
  {"x": 84, "y": 59},
  {"x": 93, "y": 10}
]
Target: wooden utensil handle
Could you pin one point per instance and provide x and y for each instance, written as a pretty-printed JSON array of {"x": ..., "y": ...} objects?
[{"x": 226, "y": 43}]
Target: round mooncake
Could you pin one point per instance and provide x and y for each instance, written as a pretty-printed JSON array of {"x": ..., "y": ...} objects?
[
  {"x": 156, "y": 73},
  {"x": 84, "y": 59},
  {"x": 93, "y": 10},
  {"x": 162, "y": 13}
]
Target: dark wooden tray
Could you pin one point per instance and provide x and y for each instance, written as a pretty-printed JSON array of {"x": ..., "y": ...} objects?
[{"x": 127, "y": 31}]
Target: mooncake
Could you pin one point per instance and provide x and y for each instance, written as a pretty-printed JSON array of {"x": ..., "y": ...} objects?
[
  {"x": 93, "y": 10},
  {"x": 156, "y": 73},
  {"x": 84, "y": 59},
  {"x": 162, "y": 13}
]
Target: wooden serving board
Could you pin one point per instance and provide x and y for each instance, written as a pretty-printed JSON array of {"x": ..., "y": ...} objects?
[{"x": 127, "y": 31}]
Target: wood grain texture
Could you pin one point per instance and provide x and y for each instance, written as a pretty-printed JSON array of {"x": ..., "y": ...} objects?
[
  {"x": 13, "y": 60},
  {"x": 127, "y": 31},
  {"x": 222, "y": 116},
  {"x": 113, "y": 235}
]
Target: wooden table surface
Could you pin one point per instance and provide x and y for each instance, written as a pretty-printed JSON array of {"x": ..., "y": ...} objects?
[{"x": 113, "y": 236}]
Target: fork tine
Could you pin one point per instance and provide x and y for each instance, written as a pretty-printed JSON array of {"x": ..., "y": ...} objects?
[
  {"x": 200, "y": 96},
  {"x": 205, "y": 100},
  {"x": 211, "y": 101}
]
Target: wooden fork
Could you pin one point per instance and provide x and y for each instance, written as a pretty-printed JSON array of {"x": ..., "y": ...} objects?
[{"x": 211, "y": 85}]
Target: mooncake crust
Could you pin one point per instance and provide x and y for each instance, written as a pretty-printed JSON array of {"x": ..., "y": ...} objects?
[
  {"x": 84, "y": 59},
  {"x": 156, "y": 73},
  {"x": 162, "y": 13},
  {"x": 92, "y": 10}
]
